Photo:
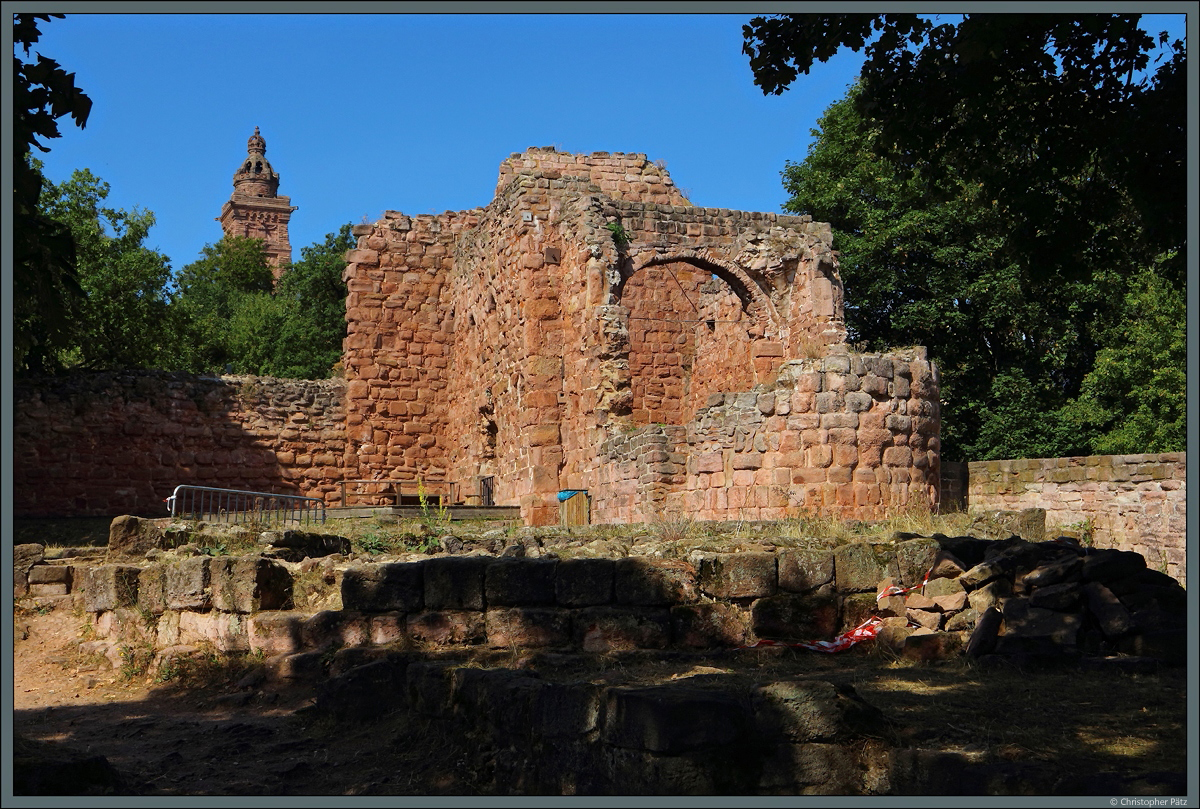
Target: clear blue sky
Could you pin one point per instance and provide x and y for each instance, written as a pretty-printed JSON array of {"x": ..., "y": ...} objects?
[{"x": 366, "y": 113}]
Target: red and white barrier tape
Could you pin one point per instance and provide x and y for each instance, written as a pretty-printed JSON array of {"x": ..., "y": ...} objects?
[{"x": 867, "y": 630}]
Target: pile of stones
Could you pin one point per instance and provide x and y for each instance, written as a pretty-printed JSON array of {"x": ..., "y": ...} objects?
[{"x": 1014, "y": 599}]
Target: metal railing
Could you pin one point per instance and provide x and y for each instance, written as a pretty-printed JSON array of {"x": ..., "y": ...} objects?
[{"x": 234, "y": 506}]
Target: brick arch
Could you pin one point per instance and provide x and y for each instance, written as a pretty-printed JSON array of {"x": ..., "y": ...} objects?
[{"x": 755, "y": 301}]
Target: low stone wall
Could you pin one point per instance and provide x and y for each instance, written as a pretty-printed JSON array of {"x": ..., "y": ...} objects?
[
  {"x": 105, "y": 444},
  {"x": 1133, "y": 502}
]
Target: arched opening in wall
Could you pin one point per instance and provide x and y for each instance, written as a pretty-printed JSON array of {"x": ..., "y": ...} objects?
[{"x": 689, "y": 336}]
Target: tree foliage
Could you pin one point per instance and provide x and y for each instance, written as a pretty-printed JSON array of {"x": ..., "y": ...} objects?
[
  {"x": 46, "y": 290},
  {"x": 1052, "y": 114},
  {"x": 237, "y": 319},
  {"x": 123, "y": 319},
  {"x": 963, "y": 226}
]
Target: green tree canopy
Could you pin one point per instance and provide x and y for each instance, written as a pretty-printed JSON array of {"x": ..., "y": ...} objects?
[
  {"x": 123, "y": 319},
  {"x": 236, "y": 319},
  {"x": 1057, "y": 117},
  {"x": 46, "y": 290}
]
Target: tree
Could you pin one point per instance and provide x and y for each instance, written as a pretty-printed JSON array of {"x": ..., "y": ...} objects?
[
  {"x": 123, "y": 319},
  {"x": 1045, "y": 111},
  {"x": 964, "y": 226},
  {"x": 310, "y": 340},
  {"x": 1135, "y": 396},
  {"x": 46, "y": 290},
  {"x": 212, "y": 290},
  {"x": 238, "y": 321},
  {"x": 937, "y": 267}
]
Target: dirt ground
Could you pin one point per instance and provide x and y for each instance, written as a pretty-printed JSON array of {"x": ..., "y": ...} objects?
[{"x": 1112, "y": 730}]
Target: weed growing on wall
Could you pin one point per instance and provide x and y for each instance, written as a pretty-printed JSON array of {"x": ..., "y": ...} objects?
[{"x": 620, "y": 236}]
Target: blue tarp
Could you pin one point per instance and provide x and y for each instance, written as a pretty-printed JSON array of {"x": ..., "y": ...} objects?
[{"x": 567, "y": 494}]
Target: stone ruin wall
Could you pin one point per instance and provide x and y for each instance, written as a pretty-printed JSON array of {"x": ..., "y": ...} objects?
[
  {"x": 526, "y": 341},
  {"x": 1134, "y": 502},
  {"x": 119, "y": 443},
  {"x": 523, "y": 340}
]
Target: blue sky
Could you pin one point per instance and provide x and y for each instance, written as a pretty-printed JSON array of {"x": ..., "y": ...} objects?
[{"x": 366, "y": 113}]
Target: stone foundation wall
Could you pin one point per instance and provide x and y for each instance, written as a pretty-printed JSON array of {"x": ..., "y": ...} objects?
[
  {"x": 119, "y": 443},
  {"x": 1134, "y": 502}
]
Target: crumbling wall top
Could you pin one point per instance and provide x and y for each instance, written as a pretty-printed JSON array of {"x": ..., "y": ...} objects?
[{"x": 619, "y": 175}]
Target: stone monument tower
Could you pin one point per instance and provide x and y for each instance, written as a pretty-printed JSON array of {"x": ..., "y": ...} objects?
[{"x": 255, "y": 210}]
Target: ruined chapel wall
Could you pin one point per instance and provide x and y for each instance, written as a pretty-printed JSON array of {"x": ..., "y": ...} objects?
[
  {"x": 618, "y": 175},
  {"x": 849, "y": 435},
  {"x": 505, "y": 396},
  {"x": 104, "y": 444},
  {"x": 397, "y": 353}
]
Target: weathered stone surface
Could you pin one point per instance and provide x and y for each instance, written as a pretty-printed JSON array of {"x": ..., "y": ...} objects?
[
  {"x": 1063, "y": 597},
  {"x": 987, "y": 629},
  {"x": 249, "y": 583},
  {"x": 672, "y": 719},
  {"x": 654, "y": 582},
  {"x": 943, "y": 587},
  {"x": 520, "y": 582},
  {"x": 188, "y": 584},
  {"x": 615, "y": 629},
  {"x": 1110, "y": 565},
  {"x": 305, "y": 544},
  {"x": 1029, "y": 524},
  {"x": 448, "y": 627},
  {"x": 736, "y": 575},
  {"x": 394, "y": 586},
  {"x": 455, "y": 582},
  {"x": 802, "y": 570},
  {"x": 107, "y": 587},
  {"x": 25, "y": 557},
  {"x": 1109, "y": 612},
  {"x": 858, "y": 566},
  {"x": 564, "y": 710},
  {"x": 1065, "y": 568},
  {"x": 130, "y": 537},
  {"x": 707, "y": 625},
  {"x": 152, "y": 588},
  {"x": 276, "y": 632},
  {"x": 924, "y": 645},
  {"x": 527, "y": 627},
  {"x": 989, "y": 595},
  {"x": 925, "y": 619},
  {"x": 584, "y": 582},
  {"x": 1026, "y": 621},
  {"x": 790, "y": 616},
  {"x": 917, "y": 557},
  {"x": 50, "y": 574},
  {"x": 800, "y": 711}
]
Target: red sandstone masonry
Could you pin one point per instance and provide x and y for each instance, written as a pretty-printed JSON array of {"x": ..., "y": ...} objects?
[
  {"x": 118, "y": 443},
  {"x": 1135, "y": 502}
]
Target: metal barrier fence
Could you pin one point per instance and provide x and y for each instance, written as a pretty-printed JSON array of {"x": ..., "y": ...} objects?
[{"x": 234, "y": 506}]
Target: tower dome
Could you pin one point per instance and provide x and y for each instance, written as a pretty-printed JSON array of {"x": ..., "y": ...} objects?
[
  {"x": 255, "y": 177},
  {"x": 256, "y": 210}
]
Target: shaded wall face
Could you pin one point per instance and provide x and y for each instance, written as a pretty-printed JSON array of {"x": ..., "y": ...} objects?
[{"x": 106, "y": 444}]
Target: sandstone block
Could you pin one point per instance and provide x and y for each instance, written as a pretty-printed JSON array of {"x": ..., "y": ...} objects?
[
  {"x": 584, "y": 582},
  {"x": 520, "y": 582},
  {"x": 455, "y": 582},
  {"x": 448, "y": 627},
  {"x": 107, "y": 587},
  {"x": 672, "y": 719},
  {"x": 716, "y": 624},
  {"x": 24, "y": 558},
  {"x": 654, "y": 582},
  {"x": 188, "y": 584},
  {"x": 736, "y": 575},
  {"x": 613, "y": 629},
  {"x": 392, "y": 587},
  {"x": 859, "y": 566},
  {"x": 274, "y": 633},
  {"x": 152, "y": 589},
  {"x": 801, "y": 570},
  {"x": 130, "y": 537},
  {"x": 249, "y": 583},
  {"x": 527, "y": 627},
  {"x": 790, "y": 616},
  {"x": 800, "y": 711}
]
